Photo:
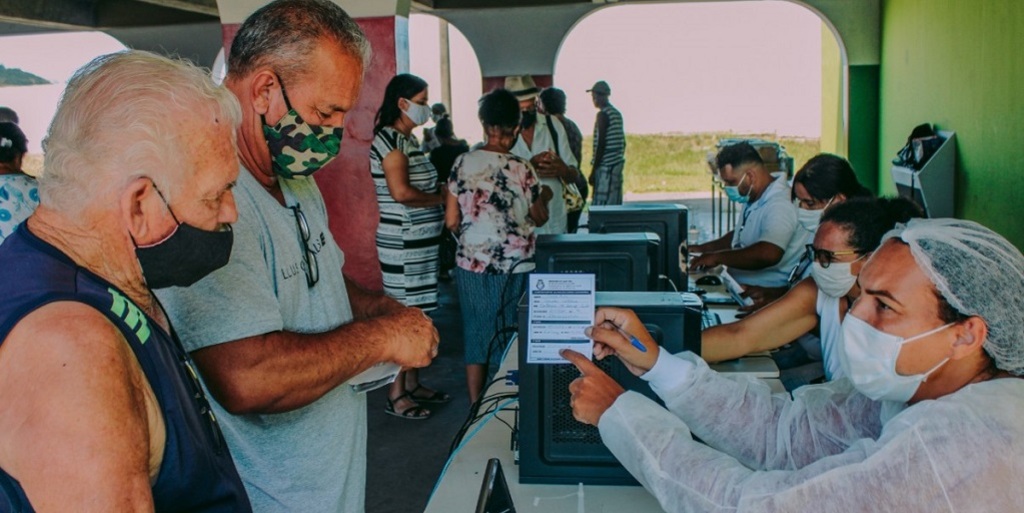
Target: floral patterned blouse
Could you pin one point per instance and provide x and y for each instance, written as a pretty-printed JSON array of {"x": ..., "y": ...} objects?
[
  {"x": 495, "y": 191},
  {"x": 19, "y": 197}
]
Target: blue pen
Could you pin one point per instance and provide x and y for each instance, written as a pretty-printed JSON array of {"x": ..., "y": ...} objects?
[{"x": 632, "y": 340}]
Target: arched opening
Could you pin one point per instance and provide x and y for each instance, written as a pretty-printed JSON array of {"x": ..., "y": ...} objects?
[
  {"x": 684, "y": 74},
  {"x": 426, "y": 52}
]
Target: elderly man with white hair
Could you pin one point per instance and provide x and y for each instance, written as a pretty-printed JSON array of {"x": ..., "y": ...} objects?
[
  {"x": 931, "y": 416},
  {"x": 99, "y": 406}
]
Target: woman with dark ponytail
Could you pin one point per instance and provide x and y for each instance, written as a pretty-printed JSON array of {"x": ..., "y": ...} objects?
[{"x": 411, "y": 217}]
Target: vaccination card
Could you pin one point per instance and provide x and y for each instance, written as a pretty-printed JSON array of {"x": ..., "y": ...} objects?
[{"x": 561, "y": 306}]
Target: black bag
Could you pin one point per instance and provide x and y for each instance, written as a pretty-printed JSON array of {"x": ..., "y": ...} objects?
[{"x": 921, "y": 145}]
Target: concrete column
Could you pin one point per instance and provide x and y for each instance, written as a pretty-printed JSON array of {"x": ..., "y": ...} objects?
[
  {"x": 345, "y": 183},
  {"x": 857, "y": 27}
]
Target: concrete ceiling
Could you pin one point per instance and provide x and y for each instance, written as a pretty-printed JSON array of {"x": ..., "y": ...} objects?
[
  {"x": 30, "y": 16},
  {"x": 27, "y": 16},
  {"x": 486, "y": 4}
]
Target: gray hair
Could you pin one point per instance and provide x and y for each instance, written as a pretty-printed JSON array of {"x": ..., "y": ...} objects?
[
  {"x": 283, "y": 33},
  {"x": 112, "y": 127}
]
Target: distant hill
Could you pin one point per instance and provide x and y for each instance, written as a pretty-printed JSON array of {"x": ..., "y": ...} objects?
[{"x": 17, "y": 77}]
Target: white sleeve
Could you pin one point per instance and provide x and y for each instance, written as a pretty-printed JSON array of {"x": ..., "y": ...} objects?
[
  {"x": 740, "y": 416},
  {"x": 564, "y": 150},
  {"x": 668, "y": 372},
  {"x": 922, "y": 462}
]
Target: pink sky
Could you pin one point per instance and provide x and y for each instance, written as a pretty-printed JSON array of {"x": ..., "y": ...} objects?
[{"x": 685, "y": 67}]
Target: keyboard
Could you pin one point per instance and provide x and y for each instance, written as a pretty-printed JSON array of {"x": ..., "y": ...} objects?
[{"x": 709, "y": 319}]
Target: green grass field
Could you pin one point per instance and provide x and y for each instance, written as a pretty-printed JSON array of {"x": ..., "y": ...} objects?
[
  {"x": 654, "y": 163},
  {"x": 677, "y": 162}
]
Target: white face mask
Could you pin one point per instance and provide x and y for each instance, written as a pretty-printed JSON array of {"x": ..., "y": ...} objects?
[
  {"x": 870, "y": 361},
  {"x": 835, "y": 281},
  {"x": 418, "y": 114},
  {"x": 810, "y": 219}
]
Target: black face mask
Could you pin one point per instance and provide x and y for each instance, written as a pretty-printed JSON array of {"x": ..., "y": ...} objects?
[
  {"x": 529, "y": 118},
  {"x": 187, "y": 255}
]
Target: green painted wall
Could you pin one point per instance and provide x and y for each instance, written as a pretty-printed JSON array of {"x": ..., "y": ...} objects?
[
  {"x": 959, "y": 64},
  {"x": 864, "y": 120}
]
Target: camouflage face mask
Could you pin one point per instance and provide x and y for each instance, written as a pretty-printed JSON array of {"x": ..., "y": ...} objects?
[{"x": 298, "y": 148}]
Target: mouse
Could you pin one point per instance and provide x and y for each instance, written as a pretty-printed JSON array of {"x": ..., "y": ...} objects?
[{"x": 709, "y": 279}]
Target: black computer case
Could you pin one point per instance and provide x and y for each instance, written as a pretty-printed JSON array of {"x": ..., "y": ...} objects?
[
  {"x": 553, "y": 446},
  {"x": 668, "y": 220}
]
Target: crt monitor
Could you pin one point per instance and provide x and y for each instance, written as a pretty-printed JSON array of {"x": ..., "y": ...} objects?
[
  {"x": 556, "y": 448},
  {"x": 619, "y": 261},
  {"x": 668, "y": 220}
]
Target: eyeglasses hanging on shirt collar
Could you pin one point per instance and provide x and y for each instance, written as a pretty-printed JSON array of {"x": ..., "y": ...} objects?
[
  {"x": 739, "y": 230},
  {"x": 312, "y": 267}
]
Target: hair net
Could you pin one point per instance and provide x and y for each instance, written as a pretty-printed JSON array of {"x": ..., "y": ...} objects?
[{"x": 979, "y": 273}]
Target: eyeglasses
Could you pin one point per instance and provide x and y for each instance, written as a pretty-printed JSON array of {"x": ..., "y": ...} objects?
[
  {"x": 824, "y": 256},
  {"x": 204, "y": 405},
  {"x": 312, "y": 267}
]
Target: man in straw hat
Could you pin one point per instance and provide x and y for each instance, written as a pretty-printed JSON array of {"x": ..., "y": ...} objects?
[{"x": 544, "y": 142}]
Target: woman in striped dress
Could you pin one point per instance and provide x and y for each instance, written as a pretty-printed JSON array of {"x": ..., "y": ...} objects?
[{"x": 411, "y": 217}]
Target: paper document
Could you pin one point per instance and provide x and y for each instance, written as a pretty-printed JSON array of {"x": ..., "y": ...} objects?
[
  {"x": 381, "y": 374},
  {"x": 735, "y": 290},
  {"x": 561, "y": 307}
]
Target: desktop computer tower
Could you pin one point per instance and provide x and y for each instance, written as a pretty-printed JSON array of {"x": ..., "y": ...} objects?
[
  {"x": 667, "y": 220},
  {"x": 556, "y": 448}
]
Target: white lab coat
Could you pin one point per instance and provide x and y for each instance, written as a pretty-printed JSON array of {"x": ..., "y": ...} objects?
[{"x": 829, "y": 449}]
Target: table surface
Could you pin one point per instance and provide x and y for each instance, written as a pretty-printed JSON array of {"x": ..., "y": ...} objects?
[{"x": 458, "y": 487}]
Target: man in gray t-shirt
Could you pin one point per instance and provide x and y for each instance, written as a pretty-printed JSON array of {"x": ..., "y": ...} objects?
[{"x": 278, "y": 332}]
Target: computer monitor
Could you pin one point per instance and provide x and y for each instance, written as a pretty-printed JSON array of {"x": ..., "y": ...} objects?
[
  {"x": 668, "y": 220},
  {"x": 494, "y": 495},
  {"x": 931, "y": 187},
  {"x": 618, "y": 261},
  {"x": 556, "y": 448}
]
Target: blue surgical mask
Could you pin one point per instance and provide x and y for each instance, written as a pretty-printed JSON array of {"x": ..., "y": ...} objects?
[{"x": 733, "y": 192}]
